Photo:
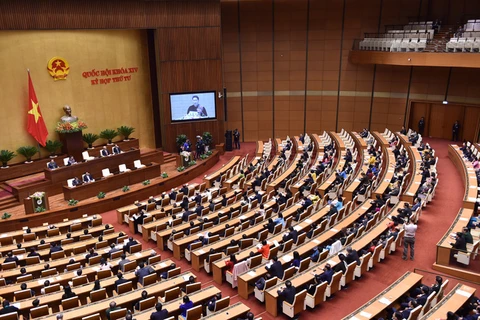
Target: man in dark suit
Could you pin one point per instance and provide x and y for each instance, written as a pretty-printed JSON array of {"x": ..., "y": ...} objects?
[
  {"x": 352, "y": 255},
  {"x": 198, "y": 198},
  {"x": 159, "y": 314},
  {"x": 120, "y": 280},
  {"x": 52, "y": 165},
  {"x": 186, "y": 214},
  {"x": 286, "y": 293},
  {"x": 116, "y": 149},
  {"x": 143, "y": 271},
  {"x": 131, "y": 242},
  {"x": 199, "y": 209},
  {"x": 293, "y": 234},
  {"x": 76, "y": 182},
  {"x": 7, "y": 308},
  {"x": 71, "y": 161},
  {"x": 104, "y": 152},
  {"x": 11, "y": 258},
  {"x": 276, "y": 268},
  {"x": 173, "y": 195},
  {"x": 455, "y": 130},
  {"x": 213, "y": 301},
  {"x": 55, "y": 248},
  {"x": 87, "y": 177},
  {"x": 184, "y": 189}
]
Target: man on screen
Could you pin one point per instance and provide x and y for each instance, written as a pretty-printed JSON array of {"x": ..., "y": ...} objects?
[{"x": 196, "y": 107}]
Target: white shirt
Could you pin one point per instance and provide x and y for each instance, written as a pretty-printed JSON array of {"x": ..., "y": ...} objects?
[{"x": 410, "y": 230}]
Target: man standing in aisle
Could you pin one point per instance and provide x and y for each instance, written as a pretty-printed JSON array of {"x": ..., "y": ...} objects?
[
  {"x": 236, "y": 139},
  {"x": 421, "y": 126},
  {"x": 409, "y": 239},
  {"x": 455, "y": 130}
]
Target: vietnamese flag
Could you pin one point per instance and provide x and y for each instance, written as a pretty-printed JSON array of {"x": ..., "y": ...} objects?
[{"x": 36, "y": 126}]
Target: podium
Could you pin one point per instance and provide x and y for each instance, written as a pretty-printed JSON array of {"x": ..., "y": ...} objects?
[
  {"x": 72, "y": 144},
  {"x": 32, "y": 203},
  {"x": 183, "y": 161}
]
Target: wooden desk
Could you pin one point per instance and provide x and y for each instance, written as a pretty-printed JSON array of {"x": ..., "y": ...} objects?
[
  {"x": 213, "y": 176},
  {"x": 348, "y": 193},
  {"x": 113, "y": 200},
  {"x": 90, "y": 271},
  {"x": 41, "y": 232},
  {"x": 60, "y": 264},
  {"x": 453, "y": 301},
  {"x": 468, "y": 176},
  {"x": 376, "y": 306},
  {"x": 389, "y": 166},
  {"x": 360, "y": 143},
  {"x": 299, "y": 143},
  {"x": 319, "y": 144},
  {"x": 95, "y": 167},
  {"x": 306, "y": 277},
  {"x": 117, "y": 181},
  {"x": 232, "y": 312},
  {"x": 198, "y": 256},
  {"x": 275, "y": 183},
  {"x": 381, "y": 139},
  {"x": 279, "y": 144},
  {"x": 338, "y": 140},
  {"x": 416, "y": 174},
  {"x": 122, "y": 300},
  {"x": 443, "y": 246},
  {"x": 83, "y": 291},
  {"x": 173, "y": 307},
  {"x": 328, "y": 182},
  {"x": 259, "y": 151},
  {"x": 94, "y": 231}
]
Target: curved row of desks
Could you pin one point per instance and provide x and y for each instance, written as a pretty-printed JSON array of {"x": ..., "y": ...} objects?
[{"x": 468, "y": 176}]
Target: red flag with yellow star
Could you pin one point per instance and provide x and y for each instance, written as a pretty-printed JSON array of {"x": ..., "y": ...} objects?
[{"x": 36, "y": 126}]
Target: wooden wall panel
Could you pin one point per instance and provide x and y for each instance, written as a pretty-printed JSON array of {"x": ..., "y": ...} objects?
[
  {"x": 338, "y": 94},
  {"x": 93, "y": 14},
  {"x": 189, "y": 43},
  {"x": 290, "y": 35}
]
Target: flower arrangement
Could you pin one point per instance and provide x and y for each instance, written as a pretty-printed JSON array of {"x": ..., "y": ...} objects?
[
  {"x": 209, "y": 153},
  {"x": 164, "y": 175},
  {"x": 146, "y": 182},
  {"x": 72, "y": 202},
  {"x": 68, "y": 127},
  {"x": 101, "y": 195},
  {"x": 6, "y": 215},
  {"x": 126, "y": 188},
  {"x": 181, "y": 168},
  {"x": 192, "y": 163},
  {"x": 38, "y": 195}
]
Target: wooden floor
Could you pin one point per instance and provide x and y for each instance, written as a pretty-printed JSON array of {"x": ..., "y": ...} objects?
[{"x": 57, "y": 201}]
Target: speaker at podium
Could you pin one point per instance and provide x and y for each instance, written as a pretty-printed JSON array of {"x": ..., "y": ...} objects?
[{"x": 228, "y": 140}]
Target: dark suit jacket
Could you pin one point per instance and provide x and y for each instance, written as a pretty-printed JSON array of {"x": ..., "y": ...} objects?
[
  {"x": 288, "y": 294},
  {"x": 198, "y": 211},
  {"x": 119, "y": 282},
  {"x": 353, "y": 256},
  {"x": 184, "y": 190},
  {"x": 9, "y": 309},
  {"x": 276, "y": 270},
  {"x": 87, "y": 178},
  {"x": 52, "y": 166},
  {"x": 129, "y": 244},
  {"x": 56, "y": 249},
  {"x": 159, "y": 315},
  {"x": 104, "y": 152},
  {"x": 198, "y": 198},
  {"x": 116, "y": 150}
]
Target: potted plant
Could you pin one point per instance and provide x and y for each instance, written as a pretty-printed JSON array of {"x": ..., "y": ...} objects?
[
  {"x": 90, "y": 138},
  {"x": 109, "y": 135},
  {"x": 126, "y": 188},
  {"x": 6, "y": 215},
  {"x": 28, "y": 152},
  {"x": 207, "y": 139},
  {"x": 101, "y": 195},
  {"x": 146, "y": 182},
  {"x": 5, "y": 156},
  {"x": 180, "y": 140},
  {"x": 164, "y": 175},
  {"x": 72, "y": 202},
  {"x": 52, "y": 146},
  {"x": 125, "y": 131}
]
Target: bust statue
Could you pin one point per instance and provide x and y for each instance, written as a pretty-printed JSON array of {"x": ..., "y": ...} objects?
[{"x": 68, "y": 115}]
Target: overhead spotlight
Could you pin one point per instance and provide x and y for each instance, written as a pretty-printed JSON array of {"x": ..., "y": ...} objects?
[{"x": 445, "y": 102}]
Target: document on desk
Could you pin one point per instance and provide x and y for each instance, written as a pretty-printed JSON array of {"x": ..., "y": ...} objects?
[
  {"x": 385, "y": 301},
  {"x": 463, "y": 293},
  {"x": 252, "y": 273}
]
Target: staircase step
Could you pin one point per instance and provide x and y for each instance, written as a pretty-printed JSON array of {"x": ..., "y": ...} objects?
[{"x": 8, "y": 203}]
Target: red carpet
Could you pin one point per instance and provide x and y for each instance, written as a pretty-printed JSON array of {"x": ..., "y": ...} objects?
[{"x": 434, "y": 222}]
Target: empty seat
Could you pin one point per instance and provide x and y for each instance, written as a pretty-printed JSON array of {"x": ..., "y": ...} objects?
[
  {"x": 86, "y": 156},
  {"x": 138, "y": 164},
  {"x": 106, "y": 173}
]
